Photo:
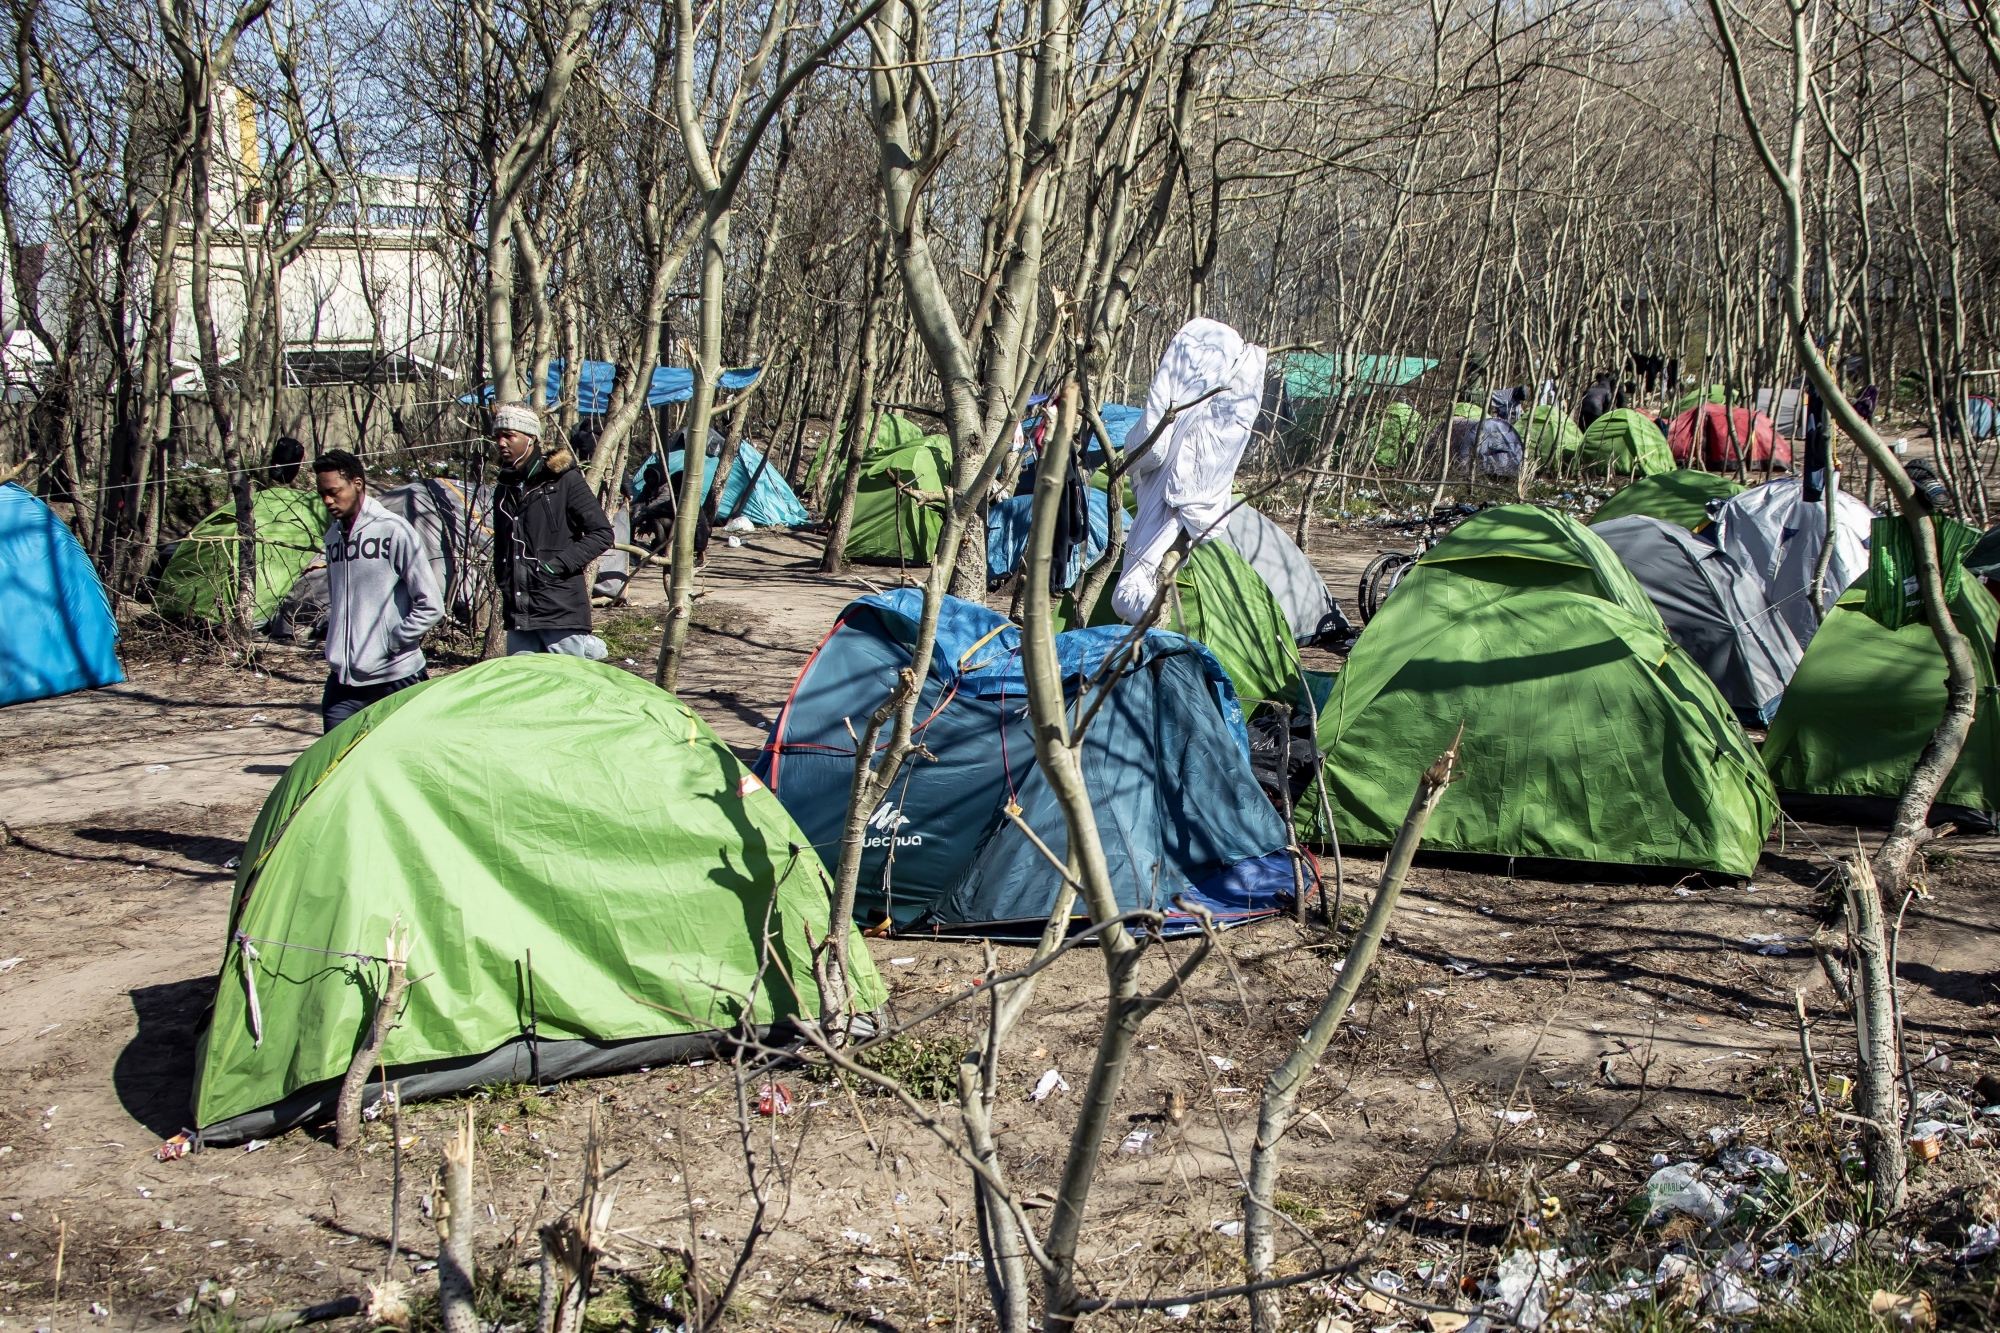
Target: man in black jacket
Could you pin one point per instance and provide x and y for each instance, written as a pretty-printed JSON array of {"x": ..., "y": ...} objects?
[{"x": 547, "y": 528}]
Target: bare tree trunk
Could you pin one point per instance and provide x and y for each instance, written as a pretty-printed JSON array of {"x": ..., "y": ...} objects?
[
  {"x": 572, "y": 1246},
  {"x": 347, "y": 1109},
  {"x": 1281, "y": 1090},
  {"x": 1940, "y": 753},
  {"x": 1876, "y": 1094},
  {"x": 452, "y": 1212}
]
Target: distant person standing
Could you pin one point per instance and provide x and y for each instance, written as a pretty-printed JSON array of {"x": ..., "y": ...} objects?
[
  {"x": 286, "y": 455},
  {"x": 381, "y": 594},
  {"x": 547, "y": 528}
]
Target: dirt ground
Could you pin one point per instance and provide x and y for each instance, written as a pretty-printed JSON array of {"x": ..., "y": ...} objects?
[{"x": 1630, "y": 1018}]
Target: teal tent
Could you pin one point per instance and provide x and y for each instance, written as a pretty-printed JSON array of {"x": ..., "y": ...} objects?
[{"x": 771, "y": 504}]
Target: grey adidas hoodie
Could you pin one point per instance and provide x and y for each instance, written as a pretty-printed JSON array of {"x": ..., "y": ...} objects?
[{"x": 381, "y": 597}]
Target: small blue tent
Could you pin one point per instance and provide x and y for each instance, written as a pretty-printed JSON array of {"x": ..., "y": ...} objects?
[
  {"x": 773, "y": 504},
  {"x": 594, "y": 379},
  {"x": 56, "y": 630},
  {"x": 1007, "y": 533},
  {"x": 1167, "y": 763}
]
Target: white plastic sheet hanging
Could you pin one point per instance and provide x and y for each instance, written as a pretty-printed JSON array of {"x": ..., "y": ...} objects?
[{"x": 1183, "y": 482}]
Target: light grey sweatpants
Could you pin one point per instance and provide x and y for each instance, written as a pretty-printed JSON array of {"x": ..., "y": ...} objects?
[{"x": 569, "y": 642}]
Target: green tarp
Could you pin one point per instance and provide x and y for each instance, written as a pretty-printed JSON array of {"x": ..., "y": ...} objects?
[
  {"x": 1550, "y": 435},
  {"x": 1629, "y": 442},
  {"x": 899, "y": 502},
  {"x": 1398, "y": 434},
  {"x": 1680, "y": 495},
  {"x": 1225, "y": 605},
  {"x": 1589, "y": 736},
  {"x": 1865, "y": 700},
  {"x": 1322, "y": 374},
  {"x": 199, "y": 583},
  {"x": 537, "y": 803}
]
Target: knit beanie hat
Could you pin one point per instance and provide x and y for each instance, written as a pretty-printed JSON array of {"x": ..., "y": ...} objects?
[{"x": 520, "y": 417}]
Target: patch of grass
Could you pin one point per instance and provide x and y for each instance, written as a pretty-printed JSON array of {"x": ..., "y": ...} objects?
[
  {"x": 1297, "y": 1209},
  {"x": 927, "y": 1068},
  {"x": 629, "y": 633},
  {"x": 1835, "y": 1300}
]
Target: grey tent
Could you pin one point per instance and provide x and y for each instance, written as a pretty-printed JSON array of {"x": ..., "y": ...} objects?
[
  {"x": 1715, "y": 610},
  {"x": 1487, "y": 445},
  {"x": 458, "y": 537},
  {"x": 1302, "y": 594}
]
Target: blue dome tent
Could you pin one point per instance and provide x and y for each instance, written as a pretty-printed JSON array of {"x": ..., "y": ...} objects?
[
  {"x": 1007, "y": 533},
  {"x": 772, "y": 503},
  {"x": 1167, "y": 764},
  {"x": 59, "y": 635}
]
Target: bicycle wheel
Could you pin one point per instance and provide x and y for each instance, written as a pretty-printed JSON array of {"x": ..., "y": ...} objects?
[{"x": 1380, "y": 579}]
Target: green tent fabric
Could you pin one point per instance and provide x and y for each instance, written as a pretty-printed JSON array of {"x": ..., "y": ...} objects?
[
  {"x": 1401, "y": 429},
  {"x": 1551, "y": 435},
  {"x": 1469, "y": 411},
  {"x": 1226, "y": 606},
  {"x": 537, "y": 803},
  {"x": 899, "y": 502},
  {"x": 1714, "y": 393},
  {"x": 1629, "y": 442},
  {"x": 1865, "y": 700},
  {"x": 1893, "y": 597},
  {"x": 1589, "y": 736},
  {"x": 1984, "y": 557},
  {"x": 199, "y": 583},
  {"x": 1680, "y": 495}
]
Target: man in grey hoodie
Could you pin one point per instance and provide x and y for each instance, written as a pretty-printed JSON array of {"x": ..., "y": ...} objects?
[{"x": 381, "y": 594}]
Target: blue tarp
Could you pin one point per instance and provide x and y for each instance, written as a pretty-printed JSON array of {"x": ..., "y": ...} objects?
[
  {"x": 772, "y": 505},
  {"x": 1167, "y": 763},
  {"x": 56, "y": 630},
  {"x": 1982, "y": 418},
  {"x": 1007, "y": 533},
  {"x": 1118, "y": 421},
  {"x": 671, "y": 384}
]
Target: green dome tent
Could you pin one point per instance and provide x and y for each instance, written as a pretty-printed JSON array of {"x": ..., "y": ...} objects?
[
  {"x": 899, "y": 502},
  {"x": 1226, "y": 606},
  {"x": 1865, "y": 699},
  {"x": 1397, "y": 435},
  {"x": 1680, "y": 495},
  {"x": 1629, "y": 442},
  {"x": 1714, "y": 393},
  {"x": 1550, "y": 435},
  {"x": 199, "y": 582},
  {"x": 1589, "y": 736},
  {"x": 584, "y": 870}
]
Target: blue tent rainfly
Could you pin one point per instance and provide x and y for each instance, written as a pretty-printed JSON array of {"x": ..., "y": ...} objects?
[
  {"x": 56, "y": 630},
  {"x": 594, "y": 381},
  {"x": 773, "y": 504},
  {"x": 1166, "y": 762}
]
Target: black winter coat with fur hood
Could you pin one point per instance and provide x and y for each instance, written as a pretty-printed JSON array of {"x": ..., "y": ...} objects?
[{"x": 547, "y": 528}]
